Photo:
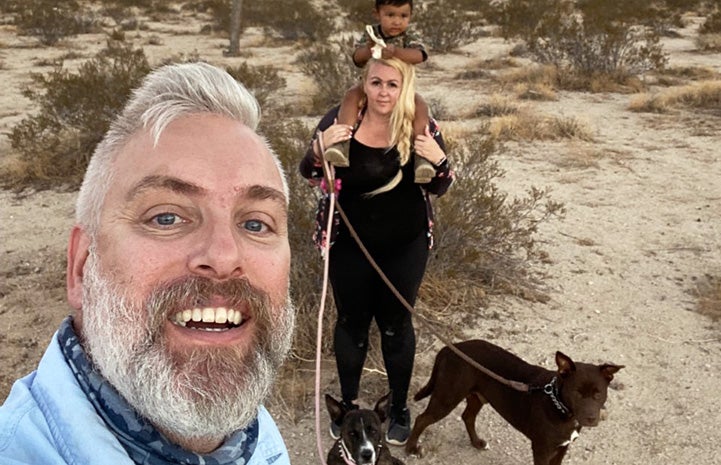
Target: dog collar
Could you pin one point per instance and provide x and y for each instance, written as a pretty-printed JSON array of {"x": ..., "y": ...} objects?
[
  {"x": 551, "y": 389},
  {"x": 345, "y": 453}
]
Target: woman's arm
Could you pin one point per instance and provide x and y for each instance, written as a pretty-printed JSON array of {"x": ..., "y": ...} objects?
[{"x": 309, "y": 164}]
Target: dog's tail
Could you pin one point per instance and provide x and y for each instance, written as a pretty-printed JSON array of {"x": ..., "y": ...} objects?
[{"x": 427, "y": 390}]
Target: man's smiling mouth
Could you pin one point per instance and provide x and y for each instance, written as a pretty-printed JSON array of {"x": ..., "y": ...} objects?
[{"x": 208, "y": 318}]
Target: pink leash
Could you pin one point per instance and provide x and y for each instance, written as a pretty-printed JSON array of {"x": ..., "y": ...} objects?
[{"x": 331, "y": 186}]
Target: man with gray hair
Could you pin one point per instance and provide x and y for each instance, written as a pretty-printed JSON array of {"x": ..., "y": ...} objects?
[{"x": 178, "y": 272}]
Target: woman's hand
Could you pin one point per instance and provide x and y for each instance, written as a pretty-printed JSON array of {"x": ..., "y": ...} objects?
[
  {"x": 332, "y": 135},
  {"x": 427, "y": 147}
]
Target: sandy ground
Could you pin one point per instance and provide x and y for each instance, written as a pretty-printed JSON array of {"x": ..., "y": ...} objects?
[{"x": 641, "y": 232}]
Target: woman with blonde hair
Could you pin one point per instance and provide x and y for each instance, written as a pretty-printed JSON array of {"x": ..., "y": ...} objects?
[{"x": 392, "y": 216}]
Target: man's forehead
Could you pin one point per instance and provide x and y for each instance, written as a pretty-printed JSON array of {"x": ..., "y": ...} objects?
[{"x": 198, "y": 151}]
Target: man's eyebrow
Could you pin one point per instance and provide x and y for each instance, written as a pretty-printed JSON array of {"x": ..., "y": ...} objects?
[
  {"x": 263, "y": 192},
  {"x": 180, "y": 186},
  {"x": 166, "y": 183}
]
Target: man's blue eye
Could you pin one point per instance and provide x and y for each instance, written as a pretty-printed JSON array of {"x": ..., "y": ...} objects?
[
  {"x": 254, "y": 225},
  {"x": 166, "y": 219}
]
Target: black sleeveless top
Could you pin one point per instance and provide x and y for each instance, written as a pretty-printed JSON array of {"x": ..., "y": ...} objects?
[{"x": 384, "y": 220}]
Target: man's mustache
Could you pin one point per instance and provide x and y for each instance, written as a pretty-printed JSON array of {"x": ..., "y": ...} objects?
[{"x": 199, "y": 292}]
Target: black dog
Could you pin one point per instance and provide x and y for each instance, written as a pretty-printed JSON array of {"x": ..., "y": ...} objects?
[
  {"x": 551, "y": 414},
  {"x": 361, "y": 441}
]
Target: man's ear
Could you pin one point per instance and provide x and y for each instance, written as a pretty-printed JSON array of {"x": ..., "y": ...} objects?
[
  {"x": 376, "y": 14},
  {"x": 78, "y": 251}
]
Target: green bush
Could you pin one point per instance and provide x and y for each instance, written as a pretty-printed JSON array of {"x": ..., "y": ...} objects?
[
  {"x": 51, "y": 21},
  {"x": 74, "y": 112},
  {"x": 290, "y": 19},
  {"x": 483, "y": 236},
  {"x": 712, "y": 25},
  {"x": 358, "y": 12},
  {"x": 262, "y": 81},
  {"x": 331, "y": 66},
  {"x": 443, "y": 28},
  {"x": 616, "y": 38}
]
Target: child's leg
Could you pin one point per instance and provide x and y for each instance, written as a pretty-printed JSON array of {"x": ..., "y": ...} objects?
[
  {"x": 349, "y": 106},
  {"x": 423, "y": 169},
  {"x": 421, "y": 118},
  {"x": 337, "y": 154}
]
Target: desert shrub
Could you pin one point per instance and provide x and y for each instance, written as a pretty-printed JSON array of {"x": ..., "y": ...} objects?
[
  {"x": 708, "y": 294},
  {"x": 290, "y": 19},
  {"x": 712, "y": 25},
  {"x": 332, "y": 68},
  {"x": 262, "y": 81},
  {"x": 701, "y": 95},
  {"x": 483, "y": 236},
  {"x": 443, "y": 28},
  {"x": 616, "y": 38},
  {"x": 52, "y": 21},
  {"x": 524, "y": 125},
  {"x": 358, "y": 12},
  {"x": 74, "y": 110},
  {"x": 497, "y": 105},
  {"x": 709, "y": 42}
]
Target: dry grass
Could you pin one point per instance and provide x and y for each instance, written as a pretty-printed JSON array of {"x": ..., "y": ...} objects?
[
  {"x": 709, "y": 42},
  {"x": 526, "y": 126},
  {"x": 545, "y": 75},
  {"x": 498, "y": 105},
  {"x": 708, "y": 293},
  {"x": 702, "y": 95}
]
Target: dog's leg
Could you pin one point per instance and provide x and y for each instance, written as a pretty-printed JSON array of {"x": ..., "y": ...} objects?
[
  {"x": 437, "y": 409},
  {"x": 474, "y": 403},
  {"x": 558, "y": 456},
  {"x": 542, "y": 454}
]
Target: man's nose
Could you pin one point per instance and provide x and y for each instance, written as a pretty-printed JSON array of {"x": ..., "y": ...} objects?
[{"x": 218, "y": 253}]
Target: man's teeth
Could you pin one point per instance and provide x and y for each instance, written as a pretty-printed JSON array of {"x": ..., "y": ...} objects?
[{"x": 219, "y": 315}]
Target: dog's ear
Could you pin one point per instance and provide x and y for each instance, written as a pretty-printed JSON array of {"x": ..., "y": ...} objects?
[
  {"x": 608, "y": 370},
  {"x": 334, "y": 408},
  {"x": 383, "y": 406},
  {"x": 565, "y": 364}
]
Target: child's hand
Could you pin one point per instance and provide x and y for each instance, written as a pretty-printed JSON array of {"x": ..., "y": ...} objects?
[{"x": 389, "y": 51}]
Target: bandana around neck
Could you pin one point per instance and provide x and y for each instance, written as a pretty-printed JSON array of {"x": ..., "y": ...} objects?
[{"x": 143, "y": 443}]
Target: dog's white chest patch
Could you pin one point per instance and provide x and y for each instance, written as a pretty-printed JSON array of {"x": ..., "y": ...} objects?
[{"x": 574, "y": 436}]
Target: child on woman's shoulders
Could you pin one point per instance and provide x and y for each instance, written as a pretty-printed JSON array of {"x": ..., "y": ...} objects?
[{"x": 393, "y": 18}]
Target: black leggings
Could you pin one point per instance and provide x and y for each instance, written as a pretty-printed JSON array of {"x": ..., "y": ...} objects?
[{"x": 361, "y": 295}]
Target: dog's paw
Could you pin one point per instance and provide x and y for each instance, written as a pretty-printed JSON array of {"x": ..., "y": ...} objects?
[
  {"x": 480, "y": 444},
  {"x": 415, "y": 450}
]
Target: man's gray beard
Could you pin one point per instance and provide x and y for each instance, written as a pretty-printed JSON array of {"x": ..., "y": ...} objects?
[{"x": 195, "y": 394}]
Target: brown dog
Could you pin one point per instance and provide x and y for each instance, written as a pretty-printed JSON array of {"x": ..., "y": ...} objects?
[{"x": 550, "y": 414}]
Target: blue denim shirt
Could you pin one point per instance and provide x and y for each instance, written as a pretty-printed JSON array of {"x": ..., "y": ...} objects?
[{"x": 47, "y": 419}]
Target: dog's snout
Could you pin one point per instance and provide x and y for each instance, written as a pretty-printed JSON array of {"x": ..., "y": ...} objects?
[
  {"x": 590, "y": 419},
  {"x": 367, "y": 456}
]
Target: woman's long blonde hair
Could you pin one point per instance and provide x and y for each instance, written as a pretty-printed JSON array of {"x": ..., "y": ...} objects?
[{"x": 401, "y": 124}]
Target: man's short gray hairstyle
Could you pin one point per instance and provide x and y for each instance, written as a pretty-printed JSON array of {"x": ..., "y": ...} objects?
[{"x": 166, "y": 94}]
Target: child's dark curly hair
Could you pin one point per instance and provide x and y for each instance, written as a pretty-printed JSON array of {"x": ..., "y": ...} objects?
[{"x": 380, "y": 3}]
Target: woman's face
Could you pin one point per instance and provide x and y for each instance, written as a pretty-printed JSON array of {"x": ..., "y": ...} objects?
[{"x": 382, "y": 87}]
